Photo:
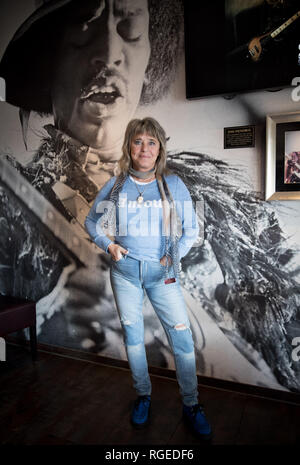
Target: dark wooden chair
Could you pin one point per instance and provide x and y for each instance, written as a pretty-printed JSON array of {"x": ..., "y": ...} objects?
[{"x": 17, "y": 314}]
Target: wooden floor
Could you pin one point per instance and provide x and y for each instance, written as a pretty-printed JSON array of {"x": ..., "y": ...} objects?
[{"x": 60, "y": 401}]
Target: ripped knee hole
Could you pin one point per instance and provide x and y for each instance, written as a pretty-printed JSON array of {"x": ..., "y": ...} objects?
[{"x": 180, "y": 327}]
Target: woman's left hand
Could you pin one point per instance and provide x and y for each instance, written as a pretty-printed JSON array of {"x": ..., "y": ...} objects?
[{"x": 163, "y": 260}]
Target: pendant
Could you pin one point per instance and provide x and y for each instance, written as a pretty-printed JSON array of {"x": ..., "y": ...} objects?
[{"x": 140, "y": 199}]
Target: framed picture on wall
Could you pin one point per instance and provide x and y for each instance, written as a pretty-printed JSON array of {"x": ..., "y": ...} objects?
[{"x": 283, "y": 157}]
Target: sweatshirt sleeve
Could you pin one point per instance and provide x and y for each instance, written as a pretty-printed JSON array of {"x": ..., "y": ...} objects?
[
  {"x": 92, "y": 221},
  {"x": 190, "y": 227}
]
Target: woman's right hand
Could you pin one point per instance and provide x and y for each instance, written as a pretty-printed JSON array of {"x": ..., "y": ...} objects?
[{"x": 116, "y": 251}]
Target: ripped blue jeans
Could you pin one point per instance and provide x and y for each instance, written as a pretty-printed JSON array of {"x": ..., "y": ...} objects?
[{"x": 129, "y": 279}]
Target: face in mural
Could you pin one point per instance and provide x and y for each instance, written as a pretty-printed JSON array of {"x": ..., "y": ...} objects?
[{"x": 102, "y": 60}]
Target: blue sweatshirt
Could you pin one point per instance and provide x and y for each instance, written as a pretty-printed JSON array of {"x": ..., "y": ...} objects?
[{"x": 140, "y": 226}]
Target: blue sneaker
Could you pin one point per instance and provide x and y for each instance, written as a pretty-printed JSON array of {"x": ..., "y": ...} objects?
[
  {"x": 195, "y": 418},
  {"x": 140, "y": 412}
]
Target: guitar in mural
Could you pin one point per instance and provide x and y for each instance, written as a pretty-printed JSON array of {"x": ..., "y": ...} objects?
[{"x": 68, "y": 235}]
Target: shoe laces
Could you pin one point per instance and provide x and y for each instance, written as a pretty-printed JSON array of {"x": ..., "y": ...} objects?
[
  {"x": 141, "y": 399},
  {"x": 197, "y": 408}
]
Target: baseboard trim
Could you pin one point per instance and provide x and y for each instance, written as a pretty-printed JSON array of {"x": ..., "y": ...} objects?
[{"x": 214, "y": 383}]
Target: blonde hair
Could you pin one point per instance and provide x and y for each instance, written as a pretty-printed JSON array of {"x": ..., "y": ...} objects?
[{"x": 151, "y": 127}]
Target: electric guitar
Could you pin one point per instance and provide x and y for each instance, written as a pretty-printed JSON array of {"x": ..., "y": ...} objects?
[{"x": 255, "y": 46}]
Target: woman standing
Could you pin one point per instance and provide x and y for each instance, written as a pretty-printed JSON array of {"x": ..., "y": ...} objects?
[{"x": 144, "y": 218}]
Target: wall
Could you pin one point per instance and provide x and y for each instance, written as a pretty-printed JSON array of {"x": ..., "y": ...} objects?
[{"x": 240, "y": 287}]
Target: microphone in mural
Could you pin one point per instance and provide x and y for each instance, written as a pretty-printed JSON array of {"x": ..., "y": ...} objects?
[{"x": 91, "y": 72}]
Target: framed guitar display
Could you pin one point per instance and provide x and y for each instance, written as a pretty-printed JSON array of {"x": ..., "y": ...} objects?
[
  {"x": 239, "y": 46},
  {"x": 283, "y": 157}
]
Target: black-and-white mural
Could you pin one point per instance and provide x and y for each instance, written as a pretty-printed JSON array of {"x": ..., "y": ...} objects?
[{"x": 76, "y": 72}]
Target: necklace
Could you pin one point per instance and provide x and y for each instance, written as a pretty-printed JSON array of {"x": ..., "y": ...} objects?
[{"x": 140, "y": 198}]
